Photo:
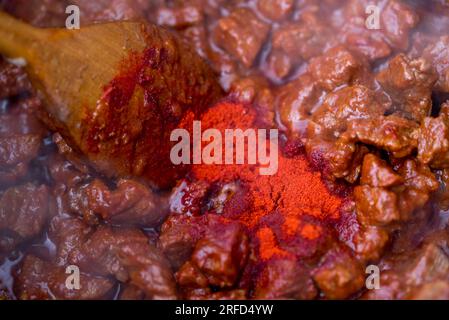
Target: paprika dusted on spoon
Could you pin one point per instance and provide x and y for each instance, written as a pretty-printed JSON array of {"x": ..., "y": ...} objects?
[{"x": 114, "y": 91}]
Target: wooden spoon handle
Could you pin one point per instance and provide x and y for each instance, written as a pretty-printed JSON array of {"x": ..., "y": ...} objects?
[{"x": 17, "y": 37}]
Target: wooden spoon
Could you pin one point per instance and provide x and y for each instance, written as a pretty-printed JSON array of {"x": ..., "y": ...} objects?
[{"x": 114, "y": 91}]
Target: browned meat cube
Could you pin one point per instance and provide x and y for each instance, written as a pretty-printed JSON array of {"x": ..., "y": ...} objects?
[
  {"x": 19, "y": 149},
  {"x": 438, "y": 54},
  {"x": 418, "y": 176},
  {"x": 413, "y": 274},
  {"x": 377, "y": 173},
  {"x": 339, "y": 275},
  {"x": 284, "y": 279},
  {"x": 370, "y": 243},
  {"x": 123, "y": 253},
  {"x": 24, "y": 210},
  {"x": 13, "y": 80},
  {"x": 334, "y": 68},
  {"x": 409, "y": 83},
  {"x": 433, "y": 143},
  {"x": 241, "y": 34},
  {"x": 346, "y": 104},
  {"x": 190, "y": 276},
  {"x": 304, "y": 39},
  {"x": 376, "y": 206},
  {"x": 107, "y": 10},
  {"x": 398, "y": 19},
  {"x": 394, "y": 134},
  {"x": 131, "y": 203},
  {"x": 179, "y": 235},
  {"x": 180, "y": 17},
  {"x": 275, "y": 9},
  {"x": 221, "y": 253},
  {"x": 295, "y": 102},
  {"x": 42, "y": 280},
  {"x": 41, "y": 13}
]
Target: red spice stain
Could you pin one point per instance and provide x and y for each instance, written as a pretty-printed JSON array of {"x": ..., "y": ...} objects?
[
  {"x": 268, "y": 244},
  {"x": 311, "y": 232},
  {"x": 108, "y": 118},
  {"x": 291, "y": 225}
]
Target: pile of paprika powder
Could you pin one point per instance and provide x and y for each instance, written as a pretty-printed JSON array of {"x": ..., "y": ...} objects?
[{"x": 292, "y": 205}]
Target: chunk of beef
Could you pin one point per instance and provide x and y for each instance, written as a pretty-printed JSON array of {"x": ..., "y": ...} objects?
[
  {"x": 190, "y": 276},
  {"x": 295, "y": 103},
  {"x": 367, "y": 43},
  {"x": 387, "y": 206},
  {"x": 64, "y": 173},
  {"x": 41, "y": 13},
  {"x": 20, "y": 139},
  {"x": 284, "y": 279},
  {"x": 18, "y": 149},
  {"x": 131, "y": 203},
  {"x": 127, "y": 255},
  {"x": 398, "y": 19},
  {"x": 438, "y": 54},
  {"x": 209, "y": 252},
  {"x": 391, "y": 133},
  {"x": 20, "y": 118},
  {"x": 182, "y": 16},
  {"x": 104, "y": 10},
  {"x": 418, "y": 176},
  {"x": 377, "y": 173},
  {"x": 334, "y": 68},
  {"x": 221, "y": 253},
  {"x": 410, "y": 200},
  {"x": 124, "y": 253},
  {"x": 24, "y": 211},
  {"x": 302, "y": 40},
  {"x": 420, "y": 183},
  {"x": 241, "y": 34},
  {"x": 370, "y": 242},
  {"x": 148, "y": 270},
  {"x": 344, "y": 159},
  {"x": 409, "y": 275},
  {"x": 41, "y": 280},
  {"x": 13, "y": 80},
  {"x": 178, "y": 237},
  {"x": 409, "y": 83},
  {"x": 278, "y": 65},
  {"x": 339, "y": 275},
  {"x": 346, "y": 105},
  {"x": 433, "y": 142},
  {"x": 275, "y": 10},
  {"x": 376, "y": 206},
  {"x": 68, "y": 234}
]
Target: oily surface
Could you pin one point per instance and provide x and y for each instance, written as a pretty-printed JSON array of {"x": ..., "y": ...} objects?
[{"x": 363, "y": 167}]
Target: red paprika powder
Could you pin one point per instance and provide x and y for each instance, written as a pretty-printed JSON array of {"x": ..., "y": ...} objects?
[{"x": 294, "y": 192}]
